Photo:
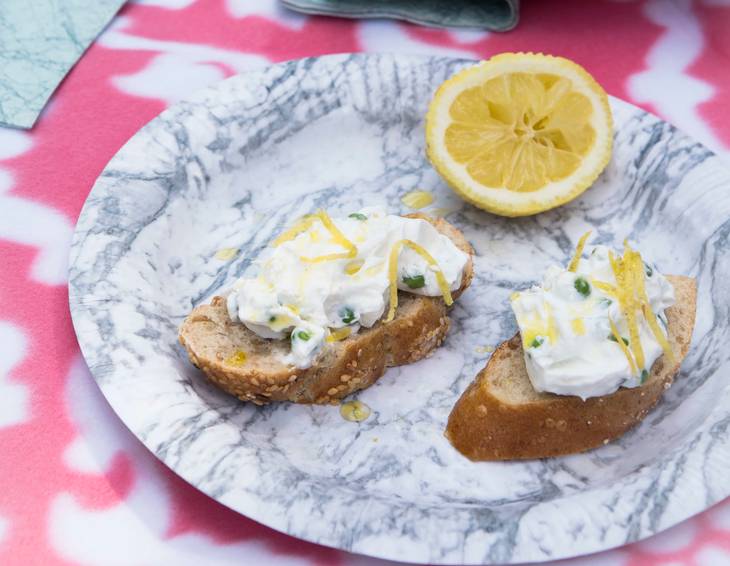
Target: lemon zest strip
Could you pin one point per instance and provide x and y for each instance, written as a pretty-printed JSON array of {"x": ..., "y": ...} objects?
[
  {"x": 440, "y": 277},
  {"x": 614, "y": 264},
  {"x": 637, "y": 266},
  {"x": 302, "y": 225},
  {"x": 624, "y": 347},
  {"x": 605, "y": 287},
  {"x": 573, "y": 266},
  {"x": 393, "y": 278},
  {"x": 633, "y": 323},
  {"x": 393, "y": 274},
  {"x": 305, "y": 223},
  {"x": 626, "y": 282},
  {"x": 658, "y": 334},
  {"x": 338, "y": 237}
]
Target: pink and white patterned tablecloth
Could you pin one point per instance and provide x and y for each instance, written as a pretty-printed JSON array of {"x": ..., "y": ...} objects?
[{"x": 75, "y": 486}]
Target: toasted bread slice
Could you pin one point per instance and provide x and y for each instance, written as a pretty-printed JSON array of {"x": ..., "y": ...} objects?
[
  {"x": 420, "y": 325},
  {"x": 501, "y": 417}
]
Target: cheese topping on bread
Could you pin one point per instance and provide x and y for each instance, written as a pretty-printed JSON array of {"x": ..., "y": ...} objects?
[
  {"x": 592, "y": 327},
  {"x": 324, "y": 278}
]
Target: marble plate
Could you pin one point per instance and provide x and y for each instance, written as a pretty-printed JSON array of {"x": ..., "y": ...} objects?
[{"x": 233, "y": 165}]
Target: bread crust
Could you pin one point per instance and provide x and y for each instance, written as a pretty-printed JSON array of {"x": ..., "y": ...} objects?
[
  {"x": 486, "y": 425},
  {"x": 420, "y": 326}
]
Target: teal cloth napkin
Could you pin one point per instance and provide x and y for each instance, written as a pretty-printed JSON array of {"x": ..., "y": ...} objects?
[
  {"x": 496, "y": 15},
  {"x": 40, "y": 41}
]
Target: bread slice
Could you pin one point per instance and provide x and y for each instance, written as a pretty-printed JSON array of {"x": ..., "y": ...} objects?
[
  {"x": 501, "y": 417},
  {"x": 420, "y": 325}
]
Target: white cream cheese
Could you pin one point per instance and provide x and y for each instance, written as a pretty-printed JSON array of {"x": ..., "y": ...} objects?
[
  {"x": 569, "y": 345},
  {"x": 310, "y": 302}
]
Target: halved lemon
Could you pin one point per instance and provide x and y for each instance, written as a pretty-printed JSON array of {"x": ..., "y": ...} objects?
[{"x": 520, "y": 133}]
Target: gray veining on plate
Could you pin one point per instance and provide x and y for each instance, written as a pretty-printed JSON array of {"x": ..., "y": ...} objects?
[{"x": 232, "y": 166}]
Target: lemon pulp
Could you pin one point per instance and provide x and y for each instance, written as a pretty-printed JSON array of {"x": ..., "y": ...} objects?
[{"x": 519, "y": 131}]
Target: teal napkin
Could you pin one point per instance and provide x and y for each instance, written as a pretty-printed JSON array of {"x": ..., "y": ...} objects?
[
  {"x": 40, "y": 41},
  {"x": 496, "y": 15}
]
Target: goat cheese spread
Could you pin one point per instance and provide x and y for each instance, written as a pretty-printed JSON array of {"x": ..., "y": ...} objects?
[
  {"x": 572, "y": 323},
  {"x": 324, "y": 279}
]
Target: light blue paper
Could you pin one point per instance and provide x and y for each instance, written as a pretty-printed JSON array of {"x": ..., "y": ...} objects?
[{"x": 40, "y": 41}]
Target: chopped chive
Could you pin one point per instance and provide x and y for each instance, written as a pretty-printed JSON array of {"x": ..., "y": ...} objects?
[
  {"x": 606, "y": 302},
  {"x": 302, "y": 335},
  {"x": 582, "y": 286},
  {"x": 272, "y": 318},
  {"x": 537, "y": 342},
  {"x": 415, "y": 281},
  {"x": 613, "y": 339},
  {"x": 649, "y": 271},
  {"x": 347, "y": 315},
  {"x": 644, "y": 376},
  {"x": 358, "y": 216}
]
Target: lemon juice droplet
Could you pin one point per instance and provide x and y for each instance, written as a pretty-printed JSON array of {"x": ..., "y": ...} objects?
[
  {"x": 354, "y": 411},
  {"x": 484, "y": 349},
  {"x": 441, "y": 212},
  {"x": 225, "y": 254},
  {"x": 417, "y": 199},
  {"x": 237, "y": 359}
]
